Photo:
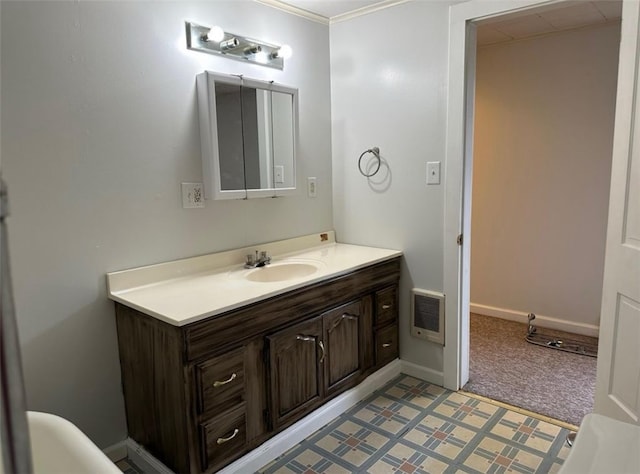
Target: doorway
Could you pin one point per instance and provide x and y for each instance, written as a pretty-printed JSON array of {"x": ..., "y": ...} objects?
[
  {"x": 465, "y": 19},
  {"x": 618, "y": 370},
  {"x": 545, "y": 89}
]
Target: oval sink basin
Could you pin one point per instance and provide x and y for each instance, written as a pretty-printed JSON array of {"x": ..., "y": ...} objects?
[{"x": 281, "y": 272}]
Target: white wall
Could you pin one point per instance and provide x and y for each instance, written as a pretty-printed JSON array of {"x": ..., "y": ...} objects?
[
  {"x": 542, "y": 166},
  {"x": 388, "y": 85},
  {"x": 99, "y": 128}
]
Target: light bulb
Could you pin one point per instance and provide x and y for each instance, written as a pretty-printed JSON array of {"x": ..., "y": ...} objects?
[
  {"x": 285, "y": 52},
  {"x": 215, "y": 34}
]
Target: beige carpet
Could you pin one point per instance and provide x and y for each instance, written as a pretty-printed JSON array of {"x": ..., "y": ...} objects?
[{"x": 504, "y": 367}]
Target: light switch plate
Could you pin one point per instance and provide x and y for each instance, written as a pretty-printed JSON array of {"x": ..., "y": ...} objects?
[
  {"x": 433, "y": 172},
  {"x": 192, "y": 195}
]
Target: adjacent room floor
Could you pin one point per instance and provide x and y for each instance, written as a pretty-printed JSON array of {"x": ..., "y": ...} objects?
[{"x": 504, "y": 366}]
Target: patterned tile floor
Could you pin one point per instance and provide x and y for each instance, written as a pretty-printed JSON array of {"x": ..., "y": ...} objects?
[{"x": 411, "y": 426}]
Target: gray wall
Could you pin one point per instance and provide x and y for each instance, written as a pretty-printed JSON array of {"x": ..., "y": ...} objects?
[
  {"x": 99, "y": 128},
  {"x": 390, "y": 90}
]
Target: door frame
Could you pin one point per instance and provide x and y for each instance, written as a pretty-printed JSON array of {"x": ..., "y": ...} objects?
[{"x": 463, "y": 19}]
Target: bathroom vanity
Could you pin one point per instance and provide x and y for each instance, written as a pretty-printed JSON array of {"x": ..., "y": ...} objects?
[{"x": 216, "y": 359}]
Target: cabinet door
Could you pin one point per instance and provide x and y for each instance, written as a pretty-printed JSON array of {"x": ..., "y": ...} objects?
[
  {"x": 296, "y": 355},
  {"x": 342, "y": 339}
]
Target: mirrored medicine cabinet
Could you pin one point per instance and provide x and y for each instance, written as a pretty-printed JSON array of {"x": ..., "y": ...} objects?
[{"x": 248, "y": 132}]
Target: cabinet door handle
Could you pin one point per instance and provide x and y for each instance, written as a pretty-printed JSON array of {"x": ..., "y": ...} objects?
[
  {"x": 387, "y": 306},
  {"x": 386, "y": 344},
  {"x": 321, "y": 344},
  {"x": 219, "y": 383},
  {"x": 229, "y": 438},
  {"x": 352, "y": 317},
  {"x": 300, "y": 337}
]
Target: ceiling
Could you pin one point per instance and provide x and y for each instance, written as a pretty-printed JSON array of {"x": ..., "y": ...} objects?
[
  {"x": 552, "y": 19},
  {"x": 549, "y": 19}
]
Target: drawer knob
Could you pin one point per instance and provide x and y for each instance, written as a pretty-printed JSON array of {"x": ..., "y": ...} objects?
[
  {"x": 219, "y": 383},
  {"x": 387, "y": 306},
  {"x": 228, "y": 438},
  {"x": 386, "y": 344}
]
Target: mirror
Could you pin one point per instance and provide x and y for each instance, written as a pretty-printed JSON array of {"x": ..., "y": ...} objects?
[{"x": 248, "y": 134}]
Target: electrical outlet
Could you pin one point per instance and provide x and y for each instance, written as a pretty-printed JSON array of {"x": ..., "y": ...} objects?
[
  {"x": 192, "y": 195},
  {"x": 312, "y": 190}
]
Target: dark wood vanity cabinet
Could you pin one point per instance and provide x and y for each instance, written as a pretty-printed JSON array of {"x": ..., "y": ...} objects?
[{"x": 199, "y": 396}]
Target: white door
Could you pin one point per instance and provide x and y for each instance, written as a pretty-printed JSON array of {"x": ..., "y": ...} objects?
[{"x": 618, "y": 377}]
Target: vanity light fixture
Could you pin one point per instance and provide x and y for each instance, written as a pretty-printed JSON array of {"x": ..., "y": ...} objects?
[
  {"x": 253, "y": 49},
  {"x": 215, "y": 40},
  {"x": 226, "y": 45}
]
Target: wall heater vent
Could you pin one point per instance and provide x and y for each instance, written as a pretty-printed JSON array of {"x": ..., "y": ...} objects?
[{"x": 427, "y": 315}]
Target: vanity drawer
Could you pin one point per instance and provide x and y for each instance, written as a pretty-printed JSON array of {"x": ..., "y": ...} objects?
[
  {"x": 223, "y": 438},
  {"x": 386, "y": 344},
  {"x": 386, "y": 305},
  {"x": 220, "y": 381}
]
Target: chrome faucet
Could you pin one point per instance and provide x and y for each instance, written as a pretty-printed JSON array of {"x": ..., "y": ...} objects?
[{"x": 260, "y": 259}]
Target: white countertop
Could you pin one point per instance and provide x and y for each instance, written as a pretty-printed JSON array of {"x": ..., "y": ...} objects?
[{"x": 189, "y": 290}]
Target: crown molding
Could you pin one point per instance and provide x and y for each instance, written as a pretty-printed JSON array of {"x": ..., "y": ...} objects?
[
  {"x": 280, "y": 5},
  {"x": 366, "y": 10},
  {"x": 295, "y": 11}
]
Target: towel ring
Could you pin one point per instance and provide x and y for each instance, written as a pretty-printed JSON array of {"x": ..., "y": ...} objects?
[{"x": 376, "y": 152}]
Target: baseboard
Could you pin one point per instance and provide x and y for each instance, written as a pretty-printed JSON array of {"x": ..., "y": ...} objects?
[
  {"x": 128, "y": 448},
  {"x": 116, "y": 452},
  {"x": 435, "y": 377},
  {"x": 284, "y": 441},
  {"x": 540, "y": 321},
  {"x": 145, "y": 460}
]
